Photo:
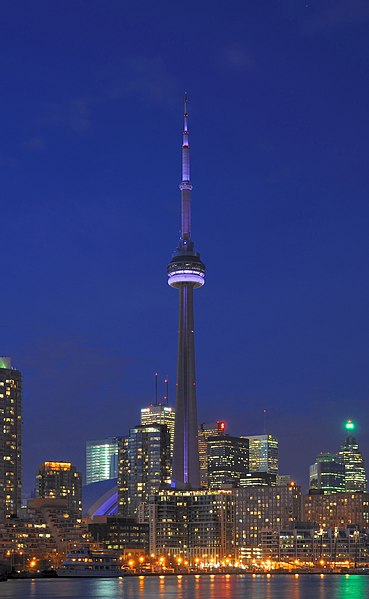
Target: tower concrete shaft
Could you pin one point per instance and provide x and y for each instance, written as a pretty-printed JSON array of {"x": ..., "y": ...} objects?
[{"x": 186, "y": 272}]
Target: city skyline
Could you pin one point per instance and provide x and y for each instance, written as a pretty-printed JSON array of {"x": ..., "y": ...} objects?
[{"x": 89, "y": 171}]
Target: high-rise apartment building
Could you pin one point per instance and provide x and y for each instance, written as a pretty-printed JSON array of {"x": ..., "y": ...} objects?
[
  {"x": 228, "y": 461},
  {"x": 10, "y": 439},
  {"x": 160, "y": 414},
  {"x": 186, "y": 272},
  {"x": 101, "y": 459},
  {"x": 60, "y": 480},
  {"x": 337, "y": 509},
  {"x": 327, "y": 475},
  {"x": 194, "y": 525},
  {"x": 355, "y": 475},
  {"x": 263, "y": 454},
  {"x": 144, "y": 466},
  {"x": 207, "y": 430}
]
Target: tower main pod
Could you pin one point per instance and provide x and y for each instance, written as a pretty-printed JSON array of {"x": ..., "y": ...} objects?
[{"x": 186, "y": 272}]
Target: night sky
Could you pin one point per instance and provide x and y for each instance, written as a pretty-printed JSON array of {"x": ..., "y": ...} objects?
[{"x": 91, "y": 122}]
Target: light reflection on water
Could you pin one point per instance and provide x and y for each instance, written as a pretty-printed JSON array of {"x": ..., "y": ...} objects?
[{"x": 191, "y": 587}]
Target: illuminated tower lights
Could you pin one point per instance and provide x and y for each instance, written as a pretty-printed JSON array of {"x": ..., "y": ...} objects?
[
  {"x": 186, "y": 272},
  {"x": 10, "y": 439},
  {"x": 355, "y": 476}
]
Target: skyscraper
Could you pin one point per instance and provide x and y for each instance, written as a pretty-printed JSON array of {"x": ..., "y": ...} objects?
[
  {"x": 160, "y": 414},
  {"x": 60, "y": 480},
  {"x": 327, "y": 475},
  {"x": 186, "y": 272},
  {"x": 10, "y": 439},
  {"x": 207, "y": 430},
  {"x": 355, "y": 476},
  {"x": 101, "y": 459},
  {"x": 263, "y": 454},
  {"x": 228, "y": 461},
  {"x": 144, "y": 465}
]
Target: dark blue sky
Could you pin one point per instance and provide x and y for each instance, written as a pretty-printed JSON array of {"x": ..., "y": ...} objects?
[{"x": 90, "y": 165}]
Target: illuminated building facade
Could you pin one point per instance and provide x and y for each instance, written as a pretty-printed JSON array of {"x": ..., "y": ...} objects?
[
  {"x": 355, "y": 475},
  {"x": 197, "y": 525},
  {"x": 213, "y": 429},
  {"x": 311, "y": 544},
  {"x": 337, "y": 509},
  {"x": 160, "y": 414},
  {"x": 144, "y": 466},
  {"x": 60, "y": 480},
  {"x": 10, "y": 439},
  {"x": 120, "y": 533},
  {"x": 263, "y": 508},
  {"x": 186, "y": 272},
  {"x": 228, "y": 461},
  {"x": 101, "y": 460},
  {"x": 327, "y": 475},
  {"x": 263, "y": 451},
  {"x": 209, "y": 526}
]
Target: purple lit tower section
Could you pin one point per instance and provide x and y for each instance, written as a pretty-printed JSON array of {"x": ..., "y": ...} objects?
[{"x": 186, "y": 272}]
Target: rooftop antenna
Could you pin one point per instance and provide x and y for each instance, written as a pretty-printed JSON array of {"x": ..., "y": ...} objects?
[
  {"x": 264, "y": 418},
  {"x": 156, "y": 388},
  {"x": 166, "y": 395}
]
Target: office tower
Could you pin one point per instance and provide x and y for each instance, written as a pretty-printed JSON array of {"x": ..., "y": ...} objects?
[
  {"x": 355, "y": 476},
  {"x": 101, "y": 459},
  {"x": 186, "y": 272},
  {"x": 160, "y": 414},
  {"x": 60, "y": 480},
  {"x": 144, "y": 466},
  {"x": 10, "y": 439},
  {"x": 327, "y": 475},
  {"x": 205, "y": 431},
  {"x": 263, "y": 454},
  {"x": 228, "y": 461}
]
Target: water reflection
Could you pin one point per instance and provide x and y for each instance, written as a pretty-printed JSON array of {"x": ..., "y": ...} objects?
[{"x": 191, "y": 587}]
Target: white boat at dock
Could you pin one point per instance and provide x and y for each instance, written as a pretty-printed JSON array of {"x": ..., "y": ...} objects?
[{"x": 91, "y": 563}]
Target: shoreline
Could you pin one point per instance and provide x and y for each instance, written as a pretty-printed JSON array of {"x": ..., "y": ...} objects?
[{"x": 264, "y": 574}]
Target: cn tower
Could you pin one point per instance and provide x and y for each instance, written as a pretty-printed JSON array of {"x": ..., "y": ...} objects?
[{"x": 186, "y": 272}]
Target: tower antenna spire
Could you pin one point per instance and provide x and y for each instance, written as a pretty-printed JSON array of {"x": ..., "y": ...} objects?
[
  {"x": 185, "y": 185},
  {"x": 186, "y": 272},
  {"x": 156, "y": 388},
  {"x": 166, "y": 396}
]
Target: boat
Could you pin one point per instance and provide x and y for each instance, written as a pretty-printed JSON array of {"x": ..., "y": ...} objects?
[{"x": 91, "y": 563}]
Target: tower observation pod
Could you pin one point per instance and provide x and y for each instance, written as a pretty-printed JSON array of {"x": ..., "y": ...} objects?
[{"x": 186, "y": 272}]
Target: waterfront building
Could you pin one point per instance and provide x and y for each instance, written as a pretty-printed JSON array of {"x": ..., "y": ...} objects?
[
  {"x": 263, "y": 451},
  {"x": 160, "y": 414},
  {"x": 337, "y": 509},
  {"x": 327, "y": 475},
  {"x": 306, "y": 543},
  {"x": 355, "y": 475},
  {"x": 207, "y": 430},
  {"x": 60, "y": 480},
  {"x": 144, "y": 466},
  {"x": 186, "y": 272},
  {"x": 120, "y": 533},
  {"x": 195, "y": 525},
  {"x": 101, "y": 459},
  {"x": 10, "y": 439},
  {"x": 210, "y": 526},
  {"x": 228, "y": 461},
  {"x": 263, "y": 508}
]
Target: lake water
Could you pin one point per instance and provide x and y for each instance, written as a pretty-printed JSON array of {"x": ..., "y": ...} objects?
[{"x": 189, "y": 587}]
